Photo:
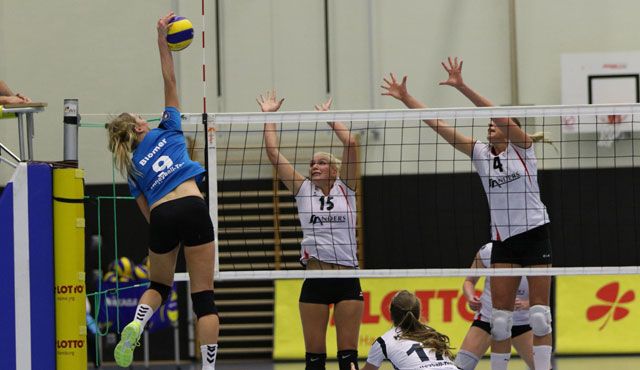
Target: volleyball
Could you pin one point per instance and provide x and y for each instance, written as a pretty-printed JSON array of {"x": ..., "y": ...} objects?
[
  {"x": 179, "y": 34},
  {"x": 172, "y": 307},
  {"x": 140, "y": 272},
  {"x": 124, "y": 267},
  {"x": 109, "y": 275}
]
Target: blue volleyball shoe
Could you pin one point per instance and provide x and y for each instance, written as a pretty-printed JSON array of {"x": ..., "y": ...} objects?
[{"x": 129, "y": 340}]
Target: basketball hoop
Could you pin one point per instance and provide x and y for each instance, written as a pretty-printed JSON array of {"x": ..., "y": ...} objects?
[{"x": 608, "y": 129}]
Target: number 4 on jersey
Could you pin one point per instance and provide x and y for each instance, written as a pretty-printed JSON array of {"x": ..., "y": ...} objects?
[{"x": 497, "y": 165}]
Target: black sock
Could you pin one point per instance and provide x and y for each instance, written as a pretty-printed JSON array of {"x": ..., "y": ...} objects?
[
  {"x": 346, "y": 357},
  {"x": 315, "y": 361}
]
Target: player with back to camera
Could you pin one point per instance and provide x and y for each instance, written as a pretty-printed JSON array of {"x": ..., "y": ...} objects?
[
  {"x": 410, "y": 344},
  {"x": 507, "y": 166},
  {"x": 326, "y": 202},
  {"x": 478, "y": 338},
  {"x": 163, "y": 179}
]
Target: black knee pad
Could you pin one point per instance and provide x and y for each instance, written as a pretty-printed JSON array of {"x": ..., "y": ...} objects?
[
  {"x": 315, "y": 361},
  {"x": 346, "y": 358},
  {"x": 204, "y": 303},
  {"x": 163, "y": 290}
]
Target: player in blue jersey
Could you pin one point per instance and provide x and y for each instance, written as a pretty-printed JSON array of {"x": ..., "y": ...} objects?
[{"x": 163, "y": 179}]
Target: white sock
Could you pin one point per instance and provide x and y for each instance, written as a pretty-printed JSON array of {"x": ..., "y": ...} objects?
[
  {"x": 499, "y": 361},
  {"x": 542, "y": 357},
  {"x": 143, "y": 314},
  {"x": 209, "y": 353}
]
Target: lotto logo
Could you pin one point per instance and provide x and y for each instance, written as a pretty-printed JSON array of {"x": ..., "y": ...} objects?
[
  {"x": 69, "y": 289},
  {"x": 612, "y": 309},
  {"x": 452, "y": 306},
  {"x": 69, "y": 343}
]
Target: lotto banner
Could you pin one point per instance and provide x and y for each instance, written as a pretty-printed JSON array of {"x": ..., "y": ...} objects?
[
  {"x": 597, "y": 314},
  {"x": 443, "y": 307}
]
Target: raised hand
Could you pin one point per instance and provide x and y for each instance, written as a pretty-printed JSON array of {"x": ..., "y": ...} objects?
[
  {"x": 393, "y": 88},
  {"x": 454, "y": 69},
  {"x": 269, "y": 103},
  {"x": 163, "y": 24},
  {"x": 324, "y": 106}
]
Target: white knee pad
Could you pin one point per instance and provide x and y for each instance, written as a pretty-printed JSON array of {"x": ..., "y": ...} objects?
[
  {"x": 466, "y": 360},
  {"x": 501, "y": 323},
  {"x": 540, "y": 320}
]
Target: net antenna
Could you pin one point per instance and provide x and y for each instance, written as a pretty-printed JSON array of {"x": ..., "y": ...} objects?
[{"x": 400, "y": 173}]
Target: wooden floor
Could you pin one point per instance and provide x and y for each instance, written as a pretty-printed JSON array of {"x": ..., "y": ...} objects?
[{"x": 563, "y": 363}]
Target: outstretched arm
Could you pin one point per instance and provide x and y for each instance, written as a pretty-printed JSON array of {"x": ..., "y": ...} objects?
[
  {"x": 285, "y": 171},
  {"x": 166, "y": 63},
  {"x": 513, "y": 132},
  {"x": 399, "y": 91},
  {"x": 349, "y": 151}
]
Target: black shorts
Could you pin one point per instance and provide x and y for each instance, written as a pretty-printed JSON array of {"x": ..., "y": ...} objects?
[
  {"x": 516, "y": 330},
  {"x": 183, "y": 220},
  {"x": 330, "y": 290},
  {"x": 532, "y": 247}
]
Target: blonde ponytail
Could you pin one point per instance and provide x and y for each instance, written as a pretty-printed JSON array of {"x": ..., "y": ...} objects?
[
  {"x": 537, "y": 137},
  {"x": 122, "y": 142},
  {"x": 541, "y": 137}
]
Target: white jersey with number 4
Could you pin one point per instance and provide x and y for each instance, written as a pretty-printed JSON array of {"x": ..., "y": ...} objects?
[
  {"x": 510, "y": 180},
  {"x": 520, "y": 317},
  {"x": 406, "y": 354},
  {"x": 328, "y": 223}
]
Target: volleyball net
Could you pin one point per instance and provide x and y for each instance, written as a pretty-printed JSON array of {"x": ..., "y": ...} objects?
[{"x": 421, "y": 207}]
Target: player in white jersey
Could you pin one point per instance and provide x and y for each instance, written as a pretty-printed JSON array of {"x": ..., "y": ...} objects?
[
  {"x": 326, "y": 202},
  {"x": 478, "y": 338},
  {"x": 410, "y": 344},
  {"x": 519, "y": 220}
]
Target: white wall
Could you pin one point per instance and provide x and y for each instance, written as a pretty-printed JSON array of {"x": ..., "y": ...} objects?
[
  {"x": 549, "y": 28},
  {"x": 104, "y": 53}
]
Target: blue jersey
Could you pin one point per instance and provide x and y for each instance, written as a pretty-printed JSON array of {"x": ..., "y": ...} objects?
[{"x": 161, "y": 160}]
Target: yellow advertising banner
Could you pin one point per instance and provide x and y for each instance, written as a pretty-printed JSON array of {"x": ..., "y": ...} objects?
[
  {"x": 598, "y": 314},
  {"x": 443, "y": 307}
]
